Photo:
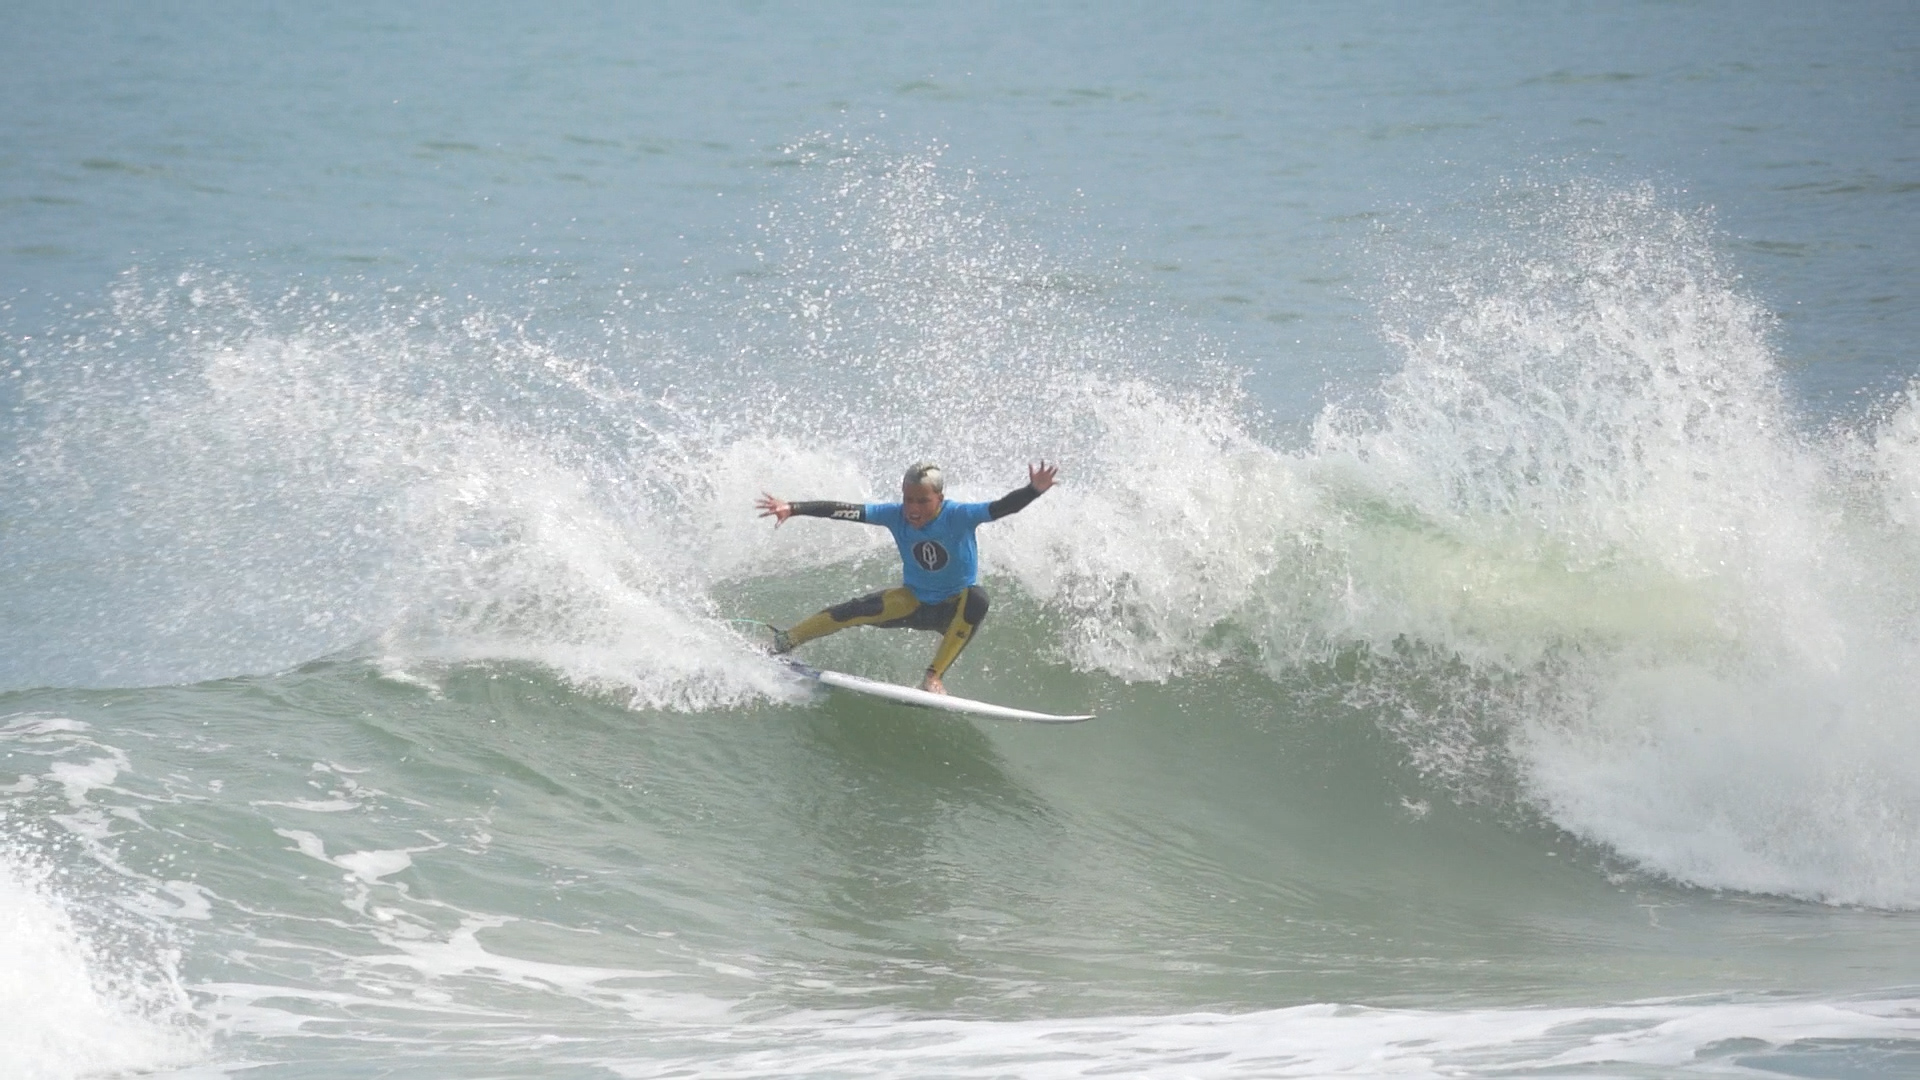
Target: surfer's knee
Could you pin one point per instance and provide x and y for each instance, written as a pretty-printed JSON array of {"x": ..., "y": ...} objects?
[{"x": 974, "y": 607}]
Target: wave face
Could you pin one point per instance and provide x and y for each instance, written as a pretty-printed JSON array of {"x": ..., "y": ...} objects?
[{"x": 448, "y": 719}]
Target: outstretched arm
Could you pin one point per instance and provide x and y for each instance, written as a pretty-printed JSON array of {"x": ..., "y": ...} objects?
[
  {"x": 1039, "y": 478},
  {"x": 780, "y": 510}
]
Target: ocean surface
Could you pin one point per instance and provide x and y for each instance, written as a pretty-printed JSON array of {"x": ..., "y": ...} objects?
[{"x": 1489, "y": 533}]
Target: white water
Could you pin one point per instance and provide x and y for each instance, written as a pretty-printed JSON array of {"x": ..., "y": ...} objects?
[
  {"x": 1599, "y": 566},
  {"x": 1651, "y": 1039},
  {"x": 68, "y": 1008}
]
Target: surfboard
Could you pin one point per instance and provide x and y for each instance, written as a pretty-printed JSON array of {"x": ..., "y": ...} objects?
[{"x": 907, "y": 695}]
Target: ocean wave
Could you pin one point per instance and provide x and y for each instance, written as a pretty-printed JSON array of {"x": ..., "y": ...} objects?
[{"x": 1591, "y": 559}]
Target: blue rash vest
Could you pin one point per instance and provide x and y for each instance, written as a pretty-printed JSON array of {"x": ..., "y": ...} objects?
[{"x": 940, "y": 559}]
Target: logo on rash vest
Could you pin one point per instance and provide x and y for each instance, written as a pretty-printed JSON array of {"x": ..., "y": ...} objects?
[{"x": 929, "y": 554}]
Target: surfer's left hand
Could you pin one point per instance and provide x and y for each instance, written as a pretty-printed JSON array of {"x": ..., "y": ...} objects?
[{"x": 1041, "y": 475}]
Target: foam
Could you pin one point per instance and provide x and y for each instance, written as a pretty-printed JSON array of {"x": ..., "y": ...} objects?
[
  {"x": 446, "y": 990},
  {"x": 67, "y": 1011},
  {"x": 79, "y": 778},
  {"x": 675, "y": 1034},
  {"x": 1675, "y": 1038},
  {"x": 367, "y": 866},
  {"x": 1896, "y": 455}
]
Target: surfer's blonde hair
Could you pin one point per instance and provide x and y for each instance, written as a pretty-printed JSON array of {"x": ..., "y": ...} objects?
[{"x": 925, "y": 472}]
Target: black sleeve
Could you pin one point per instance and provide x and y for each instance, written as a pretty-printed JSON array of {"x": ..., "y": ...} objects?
[
  {"x": 838, "y": 511},
  {"x": 1011, "y": 503}
]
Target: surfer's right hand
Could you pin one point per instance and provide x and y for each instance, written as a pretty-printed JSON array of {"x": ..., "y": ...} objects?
[{"x": 777, "y": 509}]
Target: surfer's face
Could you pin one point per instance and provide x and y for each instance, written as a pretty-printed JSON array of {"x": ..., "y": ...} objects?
[{"x": 919, "y": 503}]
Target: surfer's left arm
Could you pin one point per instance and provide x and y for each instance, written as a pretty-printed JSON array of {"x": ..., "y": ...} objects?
[{"x": 1039, "y": 479}]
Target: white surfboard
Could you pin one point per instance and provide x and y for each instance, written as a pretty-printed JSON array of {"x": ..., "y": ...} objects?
[{"x": 907, "y": 695}]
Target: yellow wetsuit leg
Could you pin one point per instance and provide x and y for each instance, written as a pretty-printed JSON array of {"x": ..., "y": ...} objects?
[
  {"x": 880, "y": 607},
  {"x": 968, "y": 609}
]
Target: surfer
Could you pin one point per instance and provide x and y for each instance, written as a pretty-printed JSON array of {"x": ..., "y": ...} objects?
[{"x": 939, "y": 562}]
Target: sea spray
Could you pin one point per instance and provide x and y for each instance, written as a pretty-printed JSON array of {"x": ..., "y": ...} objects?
[
  {"x": 1895, "y": 464},
  {"x": 1717, "y": 667},
  {"x": 1577, "y": 555},
  {"x": 89, "y": 981},
  {"x": 250, "y": 484}
]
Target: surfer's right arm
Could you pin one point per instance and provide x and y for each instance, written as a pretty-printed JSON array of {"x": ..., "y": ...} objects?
[{"x": 780, "y": 510}]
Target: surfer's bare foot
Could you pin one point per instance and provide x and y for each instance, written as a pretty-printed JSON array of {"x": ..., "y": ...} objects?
[{"x": 932, "y": 685}]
